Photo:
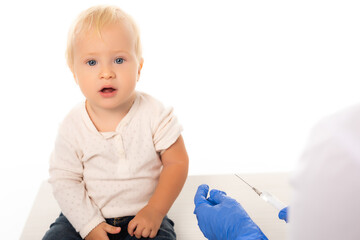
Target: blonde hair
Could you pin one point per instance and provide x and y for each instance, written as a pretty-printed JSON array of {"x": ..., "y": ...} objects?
[{"x": 96, "y": 18}]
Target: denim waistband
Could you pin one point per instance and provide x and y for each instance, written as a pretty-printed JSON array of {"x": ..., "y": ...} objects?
[{"x": 119, "y": 220}]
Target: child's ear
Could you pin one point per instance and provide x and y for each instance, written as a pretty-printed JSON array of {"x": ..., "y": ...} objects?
[
  {"x": 75, "y": 77},
  {"x": 71, "y": 67},
  {"x": 141, "y": 62}
]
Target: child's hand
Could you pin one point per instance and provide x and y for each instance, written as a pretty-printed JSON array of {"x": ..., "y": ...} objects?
[
  {"x": 146, "y": 223},
  {"x": 100, "y": 232}
]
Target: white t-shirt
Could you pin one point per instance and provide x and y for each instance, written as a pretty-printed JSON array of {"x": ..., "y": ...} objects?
[
  {"x": 326, "y": 201},
  {"x": 104, "y": 175}
]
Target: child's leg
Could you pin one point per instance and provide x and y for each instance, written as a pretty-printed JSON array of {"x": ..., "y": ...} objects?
[
  {"x": 62, "y": 229},
  {"x": 166, "y": 230}
]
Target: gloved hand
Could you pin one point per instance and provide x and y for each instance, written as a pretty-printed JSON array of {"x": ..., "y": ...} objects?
[
  {"x": 221, "y": 217},
  {"x": 283, "y": 214}
]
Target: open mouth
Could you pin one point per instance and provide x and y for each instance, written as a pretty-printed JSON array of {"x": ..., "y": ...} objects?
[{"x": 107, "y": 90}]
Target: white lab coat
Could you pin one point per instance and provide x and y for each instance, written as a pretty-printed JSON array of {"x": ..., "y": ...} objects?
[{"x": 326, "y": 200}]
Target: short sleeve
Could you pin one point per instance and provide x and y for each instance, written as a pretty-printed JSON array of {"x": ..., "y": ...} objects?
[{"x": 166, "y": 129}]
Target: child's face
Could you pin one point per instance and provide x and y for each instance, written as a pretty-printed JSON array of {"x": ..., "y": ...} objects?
[{"x": 106, "y": 68}]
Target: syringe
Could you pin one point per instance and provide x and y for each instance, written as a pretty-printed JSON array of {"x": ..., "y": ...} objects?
[{"x": 267, "y": 197}]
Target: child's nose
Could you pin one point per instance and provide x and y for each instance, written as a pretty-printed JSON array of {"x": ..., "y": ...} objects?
[{"x": 107, "y": 73}]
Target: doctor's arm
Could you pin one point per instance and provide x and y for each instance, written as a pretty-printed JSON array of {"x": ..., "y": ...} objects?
[{"x": 326, "y": 186}]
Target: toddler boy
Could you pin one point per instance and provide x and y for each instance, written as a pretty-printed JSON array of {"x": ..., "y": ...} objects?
[{"x": 119, "y": 160}]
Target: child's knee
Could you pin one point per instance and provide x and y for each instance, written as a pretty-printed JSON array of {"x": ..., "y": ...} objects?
[{"x": 61, "y": 229}]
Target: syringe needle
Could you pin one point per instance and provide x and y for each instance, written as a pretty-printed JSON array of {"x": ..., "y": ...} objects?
[
  {"x": 253, "y": 188},
  {"x": 267, "y": 197}
]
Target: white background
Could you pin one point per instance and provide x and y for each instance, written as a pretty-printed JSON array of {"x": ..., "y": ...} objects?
[{"x": 247, "y": 79}]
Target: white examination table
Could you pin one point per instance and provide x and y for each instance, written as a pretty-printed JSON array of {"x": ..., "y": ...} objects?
[{"x": 45, "y": 208}]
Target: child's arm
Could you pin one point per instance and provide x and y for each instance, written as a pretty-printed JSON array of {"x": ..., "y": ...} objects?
[
  {"x": 172, "y": 178},
  {"x": 66, "y": 177}
]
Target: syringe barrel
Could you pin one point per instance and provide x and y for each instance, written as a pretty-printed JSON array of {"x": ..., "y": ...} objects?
[{"x": 276, "y": 203}]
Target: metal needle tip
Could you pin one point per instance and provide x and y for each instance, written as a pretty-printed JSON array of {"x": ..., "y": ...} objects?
[{"x": 253, "y": 188}]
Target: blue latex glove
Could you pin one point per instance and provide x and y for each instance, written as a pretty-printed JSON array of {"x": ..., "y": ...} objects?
[
  {"x": 221, "y": 217},
  {"x": 283, "y": 214}
]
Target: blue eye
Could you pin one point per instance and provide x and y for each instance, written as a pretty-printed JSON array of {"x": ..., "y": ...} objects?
[
  {"x": 91, "y": 62},
  {"x": 119, "y": 60}
]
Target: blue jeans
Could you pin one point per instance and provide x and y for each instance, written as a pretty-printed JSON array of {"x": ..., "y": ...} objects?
[{"x": 62, "y": 229}]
